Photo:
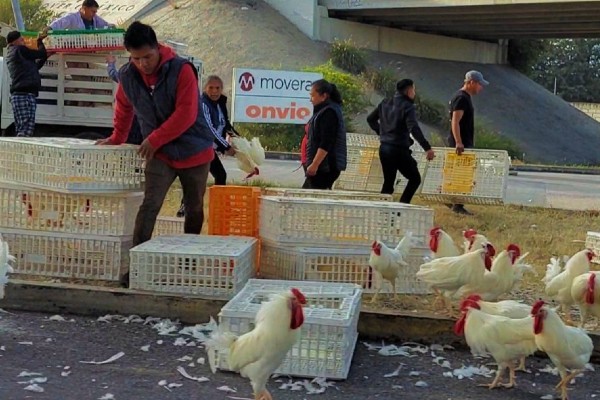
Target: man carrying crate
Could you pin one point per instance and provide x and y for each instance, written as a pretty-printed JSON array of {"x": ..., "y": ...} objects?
[
  {"x": 85, "y": 18},
  {"x": 161, "y": 89},
  {"x": 23, "y": 67}
]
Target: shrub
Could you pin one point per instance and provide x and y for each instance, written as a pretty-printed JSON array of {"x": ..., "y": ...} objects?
[
  {"x": 381, "y": 79},
  {"x": 487, "y": 138},
  {"x": 348, "y": 85},
  {"x": 347, "y": 56},
  {"x": 433, "y": 113}
]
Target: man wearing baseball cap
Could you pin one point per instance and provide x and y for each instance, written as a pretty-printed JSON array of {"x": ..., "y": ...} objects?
[
  {"x": 462, "y": 119},
  {"x": 23, "y": 66}
]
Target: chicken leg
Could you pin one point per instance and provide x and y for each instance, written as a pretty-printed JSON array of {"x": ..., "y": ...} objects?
[
  {"x": 393, "y": 282},
  {"x": 497, "y": 380},
  {"x": 263, "y": 395},
  {"x": 564, "y": 382},
  {"x": 521, "y": 366}
]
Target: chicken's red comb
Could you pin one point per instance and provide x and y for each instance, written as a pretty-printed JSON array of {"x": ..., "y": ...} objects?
[
  {"x": 299, "y": 296},
  {"x": 467, "y": 303},
  {"x": 537, "y": 306},
  {"x": 434, "y": 230},
  {"x": 491, "y": 250},
  {"x": 515, "y": 248},
  {"x": 590, "y": 290},
  {"x": 469, "y": 233},
  {"x": 474, "y": 297},
  {"x": 375, "y": 243}
]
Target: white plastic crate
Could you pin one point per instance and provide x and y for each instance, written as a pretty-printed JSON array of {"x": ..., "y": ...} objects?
[
  {"x": 70, "y": 165},
  {"x": 344, "y": 265},
  {"x": 90, "y": 214},
  {"x": 338, "y": 223},
  {"x": 327, "y": 194},
  {"x": 85, "y": 40},
  {"x": 484, "y": 183},
  {"x": 328, "y": 335},
  {"x": 61, "y": 255},
  {"x": 194, "y": 264},
  {"x": 168, "y": 226},
  {"x": 592, "y": 241}
]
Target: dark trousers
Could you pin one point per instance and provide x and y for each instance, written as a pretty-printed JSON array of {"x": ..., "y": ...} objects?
[
  {"x": 159, "y": 177},
  {"x": 322, "y": 180},
  {"x": 217, "y": 170},
  {"x": 396, "y": 158}
]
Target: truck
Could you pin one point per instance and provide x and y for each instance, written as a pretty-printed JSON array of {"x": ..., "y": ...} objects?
[{"x": 76, "y": 98}]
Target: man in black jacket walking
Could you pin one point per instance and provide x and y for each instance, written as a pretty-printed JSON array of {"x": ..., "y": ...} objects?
[
  {"x": 394, "y": 120},
  {"x": 23, "y": 66}
]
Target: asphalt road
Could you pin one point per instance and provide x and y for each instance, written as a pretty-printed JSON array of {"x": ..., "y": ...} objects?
[
  {"x": 568, "y": 191},
  {"x": 52, "y": 351}
]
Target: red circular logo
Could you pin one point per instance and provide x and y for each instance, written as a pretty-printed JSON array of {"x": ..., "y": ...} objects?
[{"x": 246, "y": 81}]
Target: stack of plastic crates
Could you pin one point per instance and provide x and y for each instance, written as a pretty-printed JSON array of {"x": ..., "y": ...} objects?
[
  {"x": 320, "y": 239},
  {"x": 593, "y": 242},
  {"x": 69, "y": 41},
  {"x": 476, "y": 177},
  {"x": 194, "y": 264},
  {"x": 327, "y": 337},
  {"x": 67, "y": 207}
]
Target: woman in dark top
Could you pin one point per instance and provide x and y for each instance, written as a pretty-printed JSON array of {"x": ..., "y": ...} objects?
[{"x": 325, "y": 144}]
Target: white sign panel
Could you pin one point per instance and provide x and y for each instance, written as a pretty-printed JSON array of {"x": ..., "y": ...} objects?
[{"x": 271, "y": 96}]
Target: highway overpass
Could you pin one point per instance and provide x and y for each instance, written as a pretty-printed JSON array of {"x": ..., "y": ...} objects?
[{"x": 487, "y": 20}]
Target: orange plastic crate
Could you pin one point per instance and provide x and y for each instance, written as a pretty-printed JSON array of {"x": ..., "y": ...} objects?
[{"x": 233, "y": 210}]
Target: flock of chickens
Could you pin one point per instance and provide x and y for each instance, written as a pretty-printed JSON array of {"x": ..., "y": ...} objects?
[{"x": 507, "y": 330}]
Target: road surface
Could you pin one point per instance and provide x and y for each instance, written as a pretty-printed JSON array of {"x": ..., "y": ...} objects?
[
  {"x": 51, "y": 352},
  {"x": 567, "y": 191}
]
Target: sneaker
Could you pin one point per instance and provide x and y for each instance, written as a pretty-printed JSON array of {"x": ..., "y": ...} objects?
[
  {"x": 459, "y": 209},
  {"x": 181, "y": 212}
]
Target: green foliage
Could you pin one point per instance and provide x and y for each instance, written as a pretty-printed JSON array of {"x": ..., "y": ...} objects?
[
  {"x": 523, "y": 54},
  {"x": 35, "y": 15},
  {"x": 347, "y": 56},
  {"x": 433, "y": 113},
  {"x": 381, "y": 79},
  {"x": 274, "y": 137},
  {"x": 348, "y": 85},
  {"x": 487, "y": 138}
]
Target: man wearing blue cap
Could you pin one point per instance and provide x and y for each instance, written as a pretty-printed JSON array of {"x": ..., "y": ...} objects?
[{"x": 462, "y": 120}]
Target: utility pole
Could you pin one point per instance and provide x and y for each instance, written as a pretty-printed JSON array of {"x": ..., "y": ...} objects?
[
  {"x": 18, "y": 16},
  {"x": 555, "y": 86}
]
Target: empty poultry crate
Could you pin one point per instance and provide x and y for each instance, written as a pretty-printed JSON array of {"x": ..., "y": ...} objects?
[
  {"x": 328, "y": 335},
  {"x": 194, "y": 264}
]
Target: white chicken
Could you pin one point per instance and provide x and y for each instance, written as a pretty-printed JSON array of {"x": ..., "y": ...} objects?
[
  {"x": 5, "y": 268},
  {"x": 258, "y": 353},
  {"x": 558, "y": 286},
  {"x": 505, "y": 308},
  {"x": 249, "y": 154},
  {"x": 586, "y": 295},
  {"x": 520, "y": 269},
  {"x": 506, "y": 339},
  {"x": 498, "y": 280},
  {"x": 441, "y": 244},
  {"x": 568, "y": 347},
  {"x": 388, "y": 262},
  {"x": 448, "y": 274},
  {"x": 473, "y": 240}
]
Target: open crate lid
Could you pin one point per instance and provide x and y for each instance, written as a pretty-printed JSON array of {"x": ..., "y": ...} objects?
[
  {"x": 187, "y": 245},
  {"x": 347, "y": 295},
  {"x": 66, "y": 143}
]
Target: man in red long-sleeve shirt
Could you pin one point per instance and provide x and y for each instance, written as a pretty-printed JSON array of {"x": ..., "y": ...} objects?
[{"x": 161, "y": 89}]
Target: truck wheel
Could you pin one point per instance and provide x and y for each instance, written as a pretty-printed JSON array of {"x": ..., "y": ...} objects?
[{"x": 90, "y": 135}]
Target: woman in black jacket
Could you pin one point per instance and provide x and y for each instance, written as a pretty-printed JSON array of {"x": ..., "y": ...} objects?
[{"x": 326, "y": 137}]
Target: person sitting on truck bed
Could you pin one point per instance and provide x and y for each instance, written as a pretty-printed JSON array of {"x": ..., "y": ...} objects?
[
  {"x": 23, "y": 66},
  {"x": 85, "y": 18}
]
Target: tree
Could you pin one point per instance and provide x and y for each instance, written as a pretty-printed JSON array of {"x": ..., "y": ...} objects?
[{"x": 35, "y": 15}]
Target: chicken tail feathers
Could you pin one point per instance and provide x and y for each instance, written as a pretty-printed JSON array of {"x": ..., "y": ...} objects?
[
  {"x": 552, "y": 269},
  {"x": 218, "y": 342}
]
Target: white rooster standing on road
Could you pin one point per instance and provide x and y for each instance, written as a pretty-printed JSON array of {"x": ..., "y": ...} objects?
[
  {"x": 249, "y": 154},
  {"x": 506, "y": 339},
  {"x": 568, "y": 347},
  {"x": 558, "y": 284},
  {"x": 5, "y": 268},
  {"x": 389, "y": 262},
  {"x": 258, "y": 353}
]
